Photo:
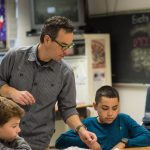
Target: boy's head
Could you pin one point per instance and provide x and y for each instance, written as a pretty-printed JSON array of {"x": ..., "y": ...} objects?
[
  {"x": 10, "y": 115},
  {"x": 107, "y": 104}
]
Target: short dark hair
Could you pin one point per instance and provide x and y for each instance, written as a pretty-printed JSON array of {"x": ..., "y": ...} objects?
[
  {"x": 106, "y": 91},
  {"x": 8, "y": 110},
  {"x": 52, "y": 26}
]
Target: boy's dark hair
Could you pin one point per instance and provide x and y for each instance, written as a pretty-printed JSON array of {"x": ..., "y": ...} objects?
[
  {"x": 53, "y": 25},
  {"x": 106, "y": 91},
  {"x": 8, "y": 110}
]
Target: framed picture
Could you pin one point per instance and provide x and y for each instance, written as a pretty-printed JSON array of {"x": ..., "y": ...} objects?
[{"x": 99, "y": 61}]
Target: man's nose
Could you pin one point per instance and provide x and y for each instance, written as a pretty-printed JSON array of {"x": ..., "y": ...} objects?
[{"x": 65, "y": 52}]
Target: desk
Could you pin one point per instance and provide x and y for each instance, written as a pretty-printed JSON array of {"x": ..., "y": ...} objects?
[{"x": 137, "y": 148}]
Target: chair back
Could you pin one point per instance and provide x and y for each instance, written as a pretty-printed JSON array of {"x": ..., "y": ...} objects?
[
  {"x": 146, "y": 119},
  {"x": 147, "y": 106}
]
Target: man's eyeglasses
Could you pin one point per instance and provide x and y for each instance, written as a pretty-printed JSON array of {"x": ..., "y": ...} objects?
[{"x": 64, "y": 46}]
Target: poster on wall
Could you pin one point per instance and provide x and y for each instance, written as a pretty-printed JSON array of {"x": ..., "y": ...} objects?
[
  {"x": 98, "y": 53},
  {"x": 79, "y": 68},
  {"x": 2, "y": 25},
  {"x": 98, "y": 62}
]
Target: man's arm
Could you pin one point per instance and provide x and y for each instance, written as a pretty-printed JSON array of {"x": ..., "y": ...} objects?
[
  {"x": 6, "y": 67},
  {"x": 85, "y": 135},
  {"x": 71, "y": 138},
  {"x": 20, "y": 97}
]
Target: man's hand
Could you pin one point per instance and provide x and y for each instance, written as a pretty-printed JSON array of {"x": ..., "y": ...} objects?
[
  {"x": 87, "y": 136},
  {"x": 22, "y": 97}
]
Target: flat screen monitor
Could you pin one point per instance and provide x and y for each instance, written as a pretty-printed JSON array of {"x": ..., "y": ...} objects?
[{"x": 43, "y": 9}]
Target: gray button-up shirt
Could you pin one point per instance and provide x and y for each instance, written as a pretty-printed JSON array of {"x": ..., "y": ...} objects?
[{"x": 50, "y": 83}]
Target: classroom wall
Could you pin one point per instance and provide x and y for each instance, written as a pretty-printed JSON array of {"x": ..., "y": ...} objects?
[
  {"x": 24, "y": 25},
  {"x": 105, "y": 6},
  {"x": 132, "y": 96},
  {"x": 18, "y": 23}
]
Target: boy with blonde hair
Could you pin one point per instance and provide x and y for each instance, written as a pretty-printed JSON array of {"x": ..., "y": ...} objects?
[{"x": 10, "y": 115}]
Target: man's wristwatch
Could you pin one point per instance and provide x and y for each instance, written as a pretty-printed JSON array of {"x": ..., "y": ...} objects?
[
  {"x": 124, "y": 140},
  {"x": 79, "y": 126}
]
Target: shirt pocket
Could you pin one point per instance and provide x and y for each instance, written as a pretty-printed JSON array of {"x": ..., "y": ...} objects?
[
  {"x": 50, "y": 87},
  {"x": 22, "y": 78}
]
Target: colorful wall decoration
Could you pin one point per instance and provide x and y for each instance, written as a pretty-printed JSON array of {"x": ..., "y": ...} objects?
[{"x": 2, "y": 25}]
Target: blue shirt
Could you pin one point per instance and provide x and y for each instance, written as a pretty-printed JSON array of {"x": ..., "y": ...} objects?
[{"x": 109, "y": 134}]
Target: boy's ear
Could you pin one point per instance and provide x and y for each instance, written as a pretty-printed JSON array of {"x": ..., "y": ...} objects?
[{"x": 95, "y": 106}]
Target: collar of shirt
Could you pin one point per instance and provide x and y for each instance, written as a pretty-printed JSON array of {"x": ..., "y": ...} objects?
[{"x": 51, "y": 64}]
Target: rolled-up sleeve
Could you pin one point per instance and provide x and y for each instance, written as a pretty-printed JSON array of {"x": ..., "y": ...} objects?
[{"x": 67, "y": 96}]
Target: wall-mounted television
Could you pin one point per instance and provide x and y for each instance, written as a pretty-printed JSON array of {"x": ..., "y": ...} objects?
[{"x": 43, "y": 9}]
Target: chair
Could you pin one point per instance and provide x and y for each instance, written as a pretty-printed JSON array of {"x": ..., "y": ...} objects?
[{"x": 146, "y": 118}]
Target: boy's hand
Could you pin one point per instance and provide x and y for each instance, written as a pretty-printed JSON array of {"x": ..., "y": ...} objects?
[
  {"x": 120, "y": 145},
  {"x": 94, "y": 146}
]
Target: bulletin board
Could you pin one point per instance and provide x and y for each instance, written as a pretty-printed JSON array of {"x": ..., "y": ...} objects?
[{"x": 130, "y": 44}]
